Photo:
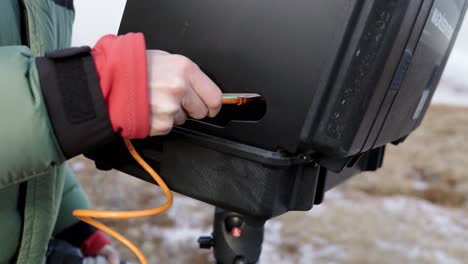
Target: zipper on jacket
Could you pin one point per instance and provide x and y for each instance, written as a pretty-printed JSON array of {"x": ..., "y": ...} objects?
[{"x": 25, "y": 39}]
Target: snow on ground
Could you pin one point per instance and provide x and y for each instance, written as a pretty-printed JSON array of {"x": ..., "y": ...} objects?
[
  {"x": 363, "y": 229},
  {"x": 397, "y": 229},
  {"x": 349, "y": 227}
]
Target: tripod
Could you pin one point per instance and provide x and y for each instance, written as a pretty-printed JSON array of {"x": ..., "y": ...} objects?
[{"x": 236, "y": 238}]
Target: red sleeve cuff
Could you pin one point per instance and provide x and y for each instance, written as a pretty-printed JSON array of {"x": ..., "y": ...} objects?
[
  {"x": 121, "y": 66},
  {"x": 91, "y": 246}
]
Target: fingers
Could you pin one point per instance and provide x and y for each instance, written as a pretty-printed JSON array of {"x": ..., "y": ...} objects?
[
  {"x": 193, "y": 105},
  {"x": 161, "y": 125},
  {"x": 207, "y": 90},
  {"x": 178, "y": 89},
  {"x": 180, "y": 118},
  {"x": 163, "y": 113}
]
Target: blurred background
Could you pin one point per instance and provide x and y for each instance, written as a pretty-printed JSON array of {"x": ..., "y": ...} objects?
[{"x": 415, "y": 210}]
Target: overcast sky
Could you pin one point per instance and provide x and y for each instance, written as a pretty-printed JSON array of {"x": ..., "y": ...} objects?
[{"x": 95, "y": 18}]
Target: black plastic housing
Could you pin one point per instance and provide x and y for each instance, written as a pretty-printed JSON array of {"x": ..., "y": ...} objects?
[
  {"x": 232, "y": 175},
  {"x": 340, "y": 78}
]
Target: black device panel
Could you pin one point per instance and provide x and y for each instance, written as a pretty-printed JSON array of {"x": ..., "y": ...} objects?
[
  {"x": 305, "y": 58},
  {"x": 339, "y": 77}
]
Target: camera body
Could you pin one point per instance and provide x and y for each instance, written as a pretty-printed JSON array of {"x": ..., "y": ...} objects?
[{"x": 340, "y": 79}]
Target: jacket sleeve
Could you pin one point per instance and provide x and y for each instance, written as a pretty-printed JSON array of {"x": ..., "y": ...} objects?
[
  {"x": 51, "y": 109},
  {"x": 28, "y": 146},
  {"x": 56, "y": 107}
]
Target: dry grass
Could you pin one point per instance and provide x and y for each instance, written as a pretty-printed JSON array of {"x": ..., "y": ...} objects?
[
  {"x": 412, "y": 211},
  {"x": 432, "y": 164}
]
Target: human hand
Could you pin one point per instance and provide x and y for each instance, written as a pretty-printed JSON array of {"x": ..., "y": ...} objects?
[{"x": 178, "y": 88}]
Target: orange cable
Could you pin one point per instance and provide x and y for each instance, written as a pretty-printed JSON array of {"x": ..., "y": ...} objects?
[
  {"x": 239, "y": 98},
  {"x": 88, "y": 216}
]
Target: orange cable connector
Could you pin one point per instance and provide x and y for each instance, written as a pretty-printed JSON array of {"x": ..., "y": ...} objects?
[{"x": 239, "y": 98}]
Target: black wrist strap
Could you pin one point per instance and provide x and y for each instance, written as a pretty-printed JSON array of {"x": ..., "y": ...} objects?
[{"x": 73, "y": 97}]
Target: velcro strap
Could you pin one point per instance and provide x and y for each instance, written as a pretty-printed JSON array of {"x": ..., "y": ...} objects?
[{"x": 74, "y": 100}]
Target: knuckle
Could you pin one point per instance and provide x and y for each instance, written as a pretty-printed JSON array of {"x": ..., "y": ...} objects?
[
  {"x": 177, "y": 88},
  {"x": 186, "y": 65},
  {"x": 163, "y": 128},
  {"x": 168, "y": 110},
  {"x": 165, "y": 109},
  {"x": 163, "y": 86}
]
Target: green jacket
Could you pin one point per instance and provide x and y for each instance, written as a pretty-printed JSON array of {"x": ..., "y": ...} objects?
[{"x": 30, "y": 151}]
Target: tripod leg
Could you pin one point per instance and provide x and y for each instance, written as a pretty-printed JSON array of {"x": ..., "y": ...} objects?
[{"x": 236, "y": 238}]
